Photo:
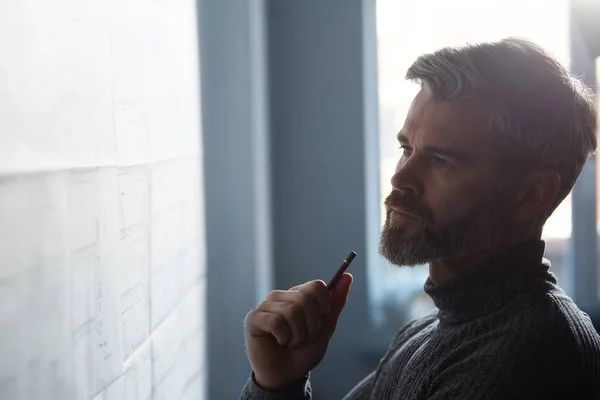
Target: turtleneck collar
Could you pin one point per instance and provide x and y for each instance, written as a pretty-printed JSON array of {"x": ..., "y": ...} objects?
[{"x": 490, "y": 284}]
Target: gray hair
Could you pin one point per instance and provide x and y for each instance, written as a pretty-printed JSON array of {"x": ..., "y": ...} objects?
[{"x": 547, "y": 117}]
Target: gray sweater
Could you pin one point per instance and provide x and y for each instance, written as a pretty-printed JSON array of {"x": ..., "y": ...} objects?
[{"x": 503, "y": 330}]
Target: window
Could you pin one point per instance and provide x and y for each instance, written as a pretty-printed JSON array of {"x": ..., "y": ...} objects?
[{"x": 407, "y": 29}]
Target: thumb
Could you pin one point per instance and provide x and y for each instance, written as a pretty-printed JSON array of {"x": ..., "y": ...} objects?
[{"x": 339, "y": 296}]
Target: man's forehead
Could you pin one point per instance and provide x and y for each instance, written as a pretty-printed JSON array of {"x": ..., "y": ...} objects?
[{"x": 461, "y": 121}]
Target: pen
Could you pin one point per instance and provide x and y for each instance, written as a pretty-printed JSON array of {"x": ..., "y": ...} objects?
[{"x": 345, "y": 264}]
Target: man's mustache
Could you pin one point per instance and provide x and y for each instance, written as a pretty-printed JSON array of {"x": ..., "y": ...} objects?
[{"x": 405, "y": 204}]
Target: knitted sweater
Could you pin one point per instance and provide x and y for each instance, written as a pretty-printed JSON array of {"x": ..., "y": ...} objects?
[{"x": 503, "y": 330}]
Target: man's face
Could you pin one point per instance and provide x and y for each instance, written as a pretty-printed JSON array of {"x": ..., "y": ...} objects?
[{"x": 449, "y": 198}]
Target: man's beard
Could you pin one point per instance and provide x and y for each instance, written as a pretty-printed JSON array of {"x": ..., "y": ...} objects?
[{"x": 477, "y": 230}]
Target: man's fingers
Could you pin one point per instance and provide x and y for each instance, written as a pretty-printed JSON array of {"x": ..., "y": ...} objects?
[
  {"x": 259, "y": 323},
  {"x": 302, "y": 314},
  {"x": 293, "y": 315},
  {"x": 339, "y": 297},
  {"x": 313, "y": 297},
  {"x": 310, "y": 308},
  {"x": 318, "y": 289}
]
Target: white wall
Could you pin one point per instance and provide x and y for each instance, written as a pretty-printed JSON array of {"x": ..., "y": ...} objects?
[{"x": 102, "y": 253}]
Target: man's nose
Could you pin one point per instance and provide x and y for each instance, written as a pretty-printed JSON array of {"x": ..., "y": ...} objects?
[{"x": 407, "y": 176}]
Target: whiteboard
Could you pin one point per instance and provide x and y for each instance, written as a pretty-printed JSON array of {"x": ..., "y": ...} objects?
[{"x": 102, "y": 271}]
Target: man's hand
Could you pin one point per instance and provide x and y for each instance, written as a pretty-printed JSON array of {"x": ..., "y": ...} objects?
[{"x": 287, "y": 334}]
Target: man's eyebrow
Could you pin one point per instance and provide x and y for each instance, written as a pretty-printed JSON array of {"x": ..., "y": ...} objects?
[{"x": 454, "y": 154}]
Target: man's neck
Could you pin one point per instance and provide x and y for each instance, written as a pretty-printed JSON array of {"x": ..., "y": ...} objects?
[{"x": 445, "y": 269}]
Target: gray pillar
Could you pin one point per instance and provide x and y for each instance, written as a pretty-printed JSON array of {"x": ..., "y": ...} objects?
[
  {"x": 235, "y": 132},
  {"x": 324, "y": 143}
]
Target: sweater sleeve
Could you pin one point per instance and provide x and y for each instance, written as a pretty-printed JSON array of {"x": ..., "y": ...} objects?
[
  {"x": 363, "y": 390},
  {"x": 301, "y": 391}
]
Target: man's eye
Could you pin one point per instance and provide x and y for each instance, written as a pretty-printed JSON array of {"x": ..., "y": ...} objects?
[
  {"x": 440, "y": 162},
  {"x": 406, "y": 151}
]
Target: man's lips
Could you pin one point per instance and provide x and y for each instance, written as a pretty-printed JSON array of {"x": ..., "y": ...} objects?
[{"x": 401, "y": 213}]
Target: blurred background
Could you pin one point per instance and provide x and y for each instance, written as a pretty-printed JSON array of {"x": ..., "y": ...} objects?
[{"x": 165, "y": 164}]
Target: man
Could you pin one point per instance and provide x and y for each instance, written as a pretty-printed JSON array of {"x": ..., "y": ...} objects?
[{"x": 493, "y": 142}]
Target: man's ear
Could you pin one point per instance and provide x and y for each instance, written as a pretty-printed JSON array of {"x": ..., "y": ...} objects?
[{"x": 537, "y": 194}]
